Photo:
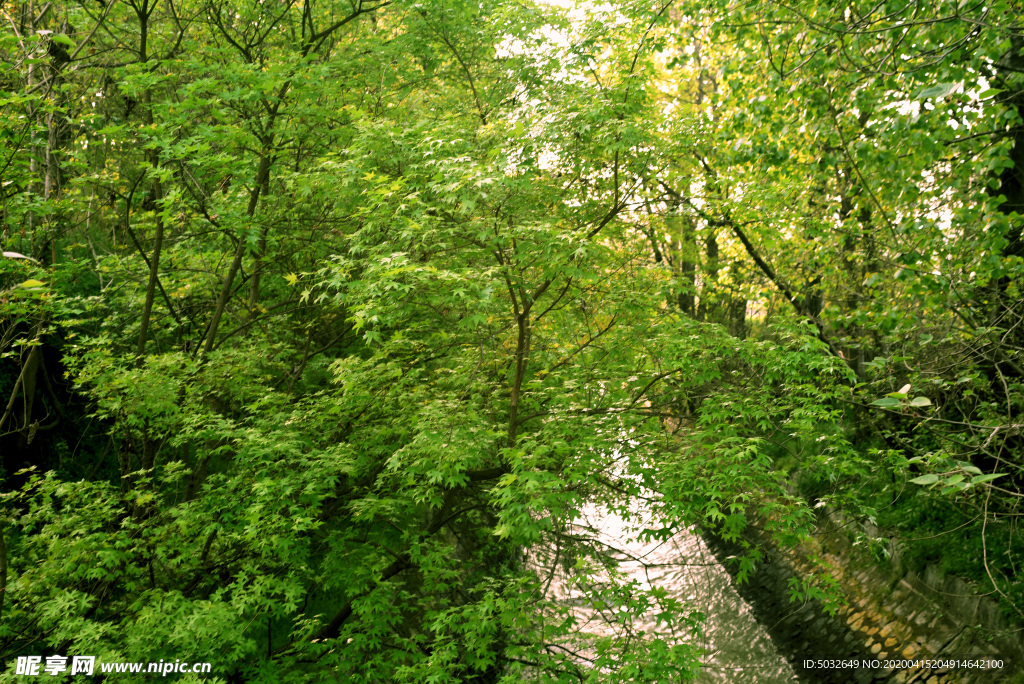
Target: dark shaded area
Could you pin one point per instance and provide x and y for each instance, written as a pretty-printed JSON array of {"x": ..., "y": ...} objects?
[
  {"x": 801, "y": 632},
  {"x": 50, "y": 427}
]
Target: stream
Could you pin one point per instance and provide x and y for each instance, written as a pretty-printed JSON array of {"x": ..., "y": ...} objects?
[{"x": 737, "y": 648}]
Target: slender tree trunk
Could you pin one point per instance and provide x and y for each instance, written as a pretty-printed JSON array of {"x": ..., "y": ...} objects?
[
  {"x": 687, "y": 267},
  {"x": 3, "y": 569},
  {"x": 156, "y": 189},
  {"x": 522, "y": 360},
  {"x": 51, "y": 180},
  {"x": 154, "y": 266},
  {"x": 261, "y": 250},
  {"x": 710, "y": 277},
  {"x": 262, "y": 176}
]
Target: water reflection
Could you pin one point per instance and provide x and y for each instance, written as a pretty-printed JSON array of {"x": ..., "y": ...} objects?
[{"x": 737, "y": 649}]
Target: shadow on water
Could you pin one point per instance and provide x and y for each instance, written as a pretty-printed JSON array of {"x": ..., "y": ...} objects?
[
  {"x": 801, "y": 632},
  {"x": 737, "y": 648}
]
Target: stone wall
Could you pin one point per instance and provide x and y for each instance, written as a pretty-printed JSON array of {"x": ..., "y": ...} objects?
[{"x": 890, "y": 614}]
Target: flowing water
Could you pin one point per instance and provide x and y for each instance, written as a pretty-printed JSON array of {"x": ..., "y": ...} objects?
[{"x": 737, "y": 649}]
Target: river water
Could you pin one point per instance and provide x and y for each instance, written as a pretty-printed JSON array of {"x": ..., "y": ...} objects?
[{"x": 737, "y": 649}]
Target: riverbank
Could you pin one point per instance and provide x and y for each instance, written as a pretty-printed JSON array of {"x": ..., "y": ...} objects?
[{"x": 896, "y": 626}]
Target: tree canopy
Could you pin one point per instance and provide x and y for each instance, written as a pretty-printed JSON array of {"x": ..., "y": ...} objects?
[{"x": 321, "y": 322}]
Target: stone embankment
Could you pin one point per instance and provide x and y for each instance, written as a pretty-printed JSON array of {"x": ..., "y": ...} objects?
[{"x": 890, "y": 615}]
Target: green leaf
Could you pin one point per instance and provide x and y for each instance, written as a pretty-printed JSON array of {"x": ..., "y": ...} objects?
[
  {"x": 928, "y": 479},
  {"x": 920, "y": 401},
  {"x": 967, "y": 467},
  {"x": 886, "y": 402},
  {"x": 938, "y": 90},
  {"x": 32, "y": 283},
  {"x": 978, "y": 479}
]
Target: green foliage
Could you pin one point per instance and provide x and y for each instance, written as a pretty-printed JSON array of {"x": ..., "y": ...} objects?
[
  {"x": 323, "y": 324},
  {"x": 859, "y": 165},
  {"x": 926, "y": 526}
]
